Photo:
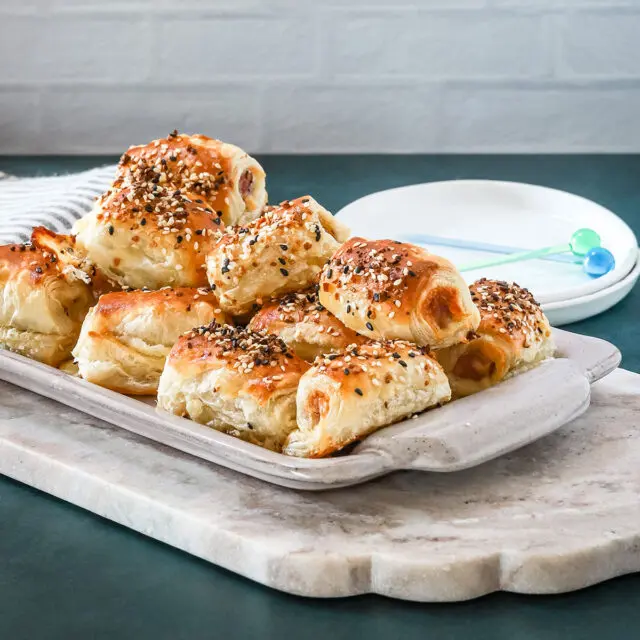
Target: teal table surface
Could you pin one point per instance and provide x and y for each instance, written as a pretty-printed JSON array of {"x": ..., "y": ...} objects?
[{"x": 65, "y": 573}]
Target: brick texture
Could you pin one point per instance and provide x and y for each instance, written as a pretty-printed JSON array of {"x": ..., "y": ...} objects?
[
  {"x": 87, "y": 76},
  {"x": 442, "y": 45}
]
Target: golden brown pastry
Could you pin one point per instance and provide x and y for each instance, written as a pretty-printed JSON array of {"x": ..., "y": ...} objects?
[
  {"x": 346, "y": 396},
  {"x": 223, "y": 175},
  {"x": 237, "y": 381},
  {"x": 283, "y": 250},
  {"x": 394, "y": 290},
  {"x": 304, "y": 325},
  {"x": 514, "y": 335},
  {"x": 149, "y": 236},
  {"x": 127, "y": 336},
  {"x": 64, "y": 248},
  {"x": 42, "y": 303}
]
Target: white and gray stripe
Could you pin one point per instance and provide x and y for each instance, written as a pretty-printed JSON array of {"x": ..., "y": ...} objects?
[{"x": 54, "y": 202}]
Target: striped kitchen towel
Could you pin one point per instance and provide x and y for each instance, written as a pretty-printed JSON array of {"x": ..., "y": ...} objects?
[{"x": 54, "y": 202}]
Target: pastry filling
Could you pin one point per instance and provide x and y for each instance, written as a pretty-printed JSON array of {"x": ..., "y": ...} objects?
[
  {"x": 317, "y": 407},
  {"x": 245, "y": 184},
  {"x": 442, "y": 305},
  {"x": 474, "y": 365}
]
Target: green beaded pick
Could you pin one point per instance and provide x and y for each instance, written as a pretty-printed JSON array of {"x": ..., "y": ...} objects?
[{"x": 583, "y": 240}]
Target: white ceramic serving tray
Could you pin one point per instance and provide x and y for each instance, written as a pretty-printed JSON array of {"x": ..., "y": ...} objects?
[{"x": 458, "y": 435}]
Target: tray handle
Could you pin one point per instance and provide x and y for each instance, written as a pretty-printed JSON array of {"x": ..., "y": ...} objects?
[
  {"x": 463, "y": 434},
  {"x": 596, "y": 357}
]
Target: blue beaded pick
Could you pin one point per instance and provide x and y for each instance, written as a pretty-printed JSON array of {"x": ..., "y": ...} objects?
[{"x": 598, "y": 262}]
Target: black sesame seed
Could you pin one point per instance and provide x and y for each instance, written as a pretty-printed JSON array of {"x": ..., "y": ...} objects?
[
  {"x": 148, "y": 208},
  {"x": 12, "y": 249},
  {"x": 345, "y": 269},
  {"x": 358, "y": 269},
  {"x": 402, "y": 363},
  {"x": 369, "y": 326},
  {"x": 38, "y": 269},
  {"x": 333, "y": 356},
  {"x": 143, "y": 222},
  {"x": 284, "y": 272},
  {"x": 347, "y": 372},
  {"x": 216, "y": 221},
  {"x": 395, "y": 355},
  {"x": 198, "y": 232},
  {"x": 348, "y": 308},
  {"x": 111, "y": 230},
  {"x": 412, "y": 274},
  {"x": 330, "y": 273},
  {"x": 282, "y": 261},
  {"x": 179, "y": 239},
  {"x": 284, "y": 247},
  {"x": 411, "y": 354},
  {"x": 376, "y": 297},
  {"x": 358, "y": 391}
]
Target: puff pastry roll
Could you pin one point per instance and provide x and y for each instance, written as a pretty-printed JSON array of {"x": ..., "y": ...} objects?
[
  {"x": 144, "y": 235},
  {"x": 348, "y": 395},
  {"x": 234, "y": 380},
  {"x": 304, "y": 325},
  {"x": 42, "y": 303},
  {"x": 227, "y": 178},
  {"x": 64, "y": 249},
  {"x": 127, "y": 336},
  {"x": 514, "y": 335},
  {"x": 394, "y": 290},
  {"x": 282, "y": 251}
]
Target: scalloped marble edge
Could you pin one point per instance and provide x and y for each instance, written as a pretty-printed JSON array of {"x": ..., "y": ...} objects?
[
  {"x": 407, "y": 536},
  {"x": 458, "y": 435}
]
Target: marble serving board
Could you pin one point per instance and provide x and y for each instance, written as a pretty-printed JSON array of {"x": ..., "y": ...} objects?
[
  {"x": 560, "y": 514},
  {"x": 459, "y": 435}
]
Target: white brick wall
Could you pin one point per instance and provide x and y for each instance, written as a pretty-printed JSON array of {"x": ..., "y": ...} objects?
[{"x": 91, "y": 76}]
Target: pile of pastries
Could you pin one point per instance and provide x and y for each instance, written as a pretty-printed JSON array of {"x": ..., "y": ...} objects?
[{"x": 269, "y": 323}]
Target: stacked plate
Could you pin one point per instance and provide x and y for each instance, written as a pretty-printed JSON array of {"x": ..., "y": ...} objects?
[{"x": 508, "y": 214}]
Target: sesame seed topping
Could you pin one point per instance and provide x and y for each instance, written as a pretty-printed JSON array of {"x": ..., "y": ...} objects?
[{"x": 509, "y": 309}]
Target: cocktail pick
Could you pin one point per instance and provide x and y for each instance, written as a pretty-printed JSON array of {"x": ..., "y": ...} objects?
[
  {"x": 487, "y": 247},
  {"x": 585, "y": 243}
]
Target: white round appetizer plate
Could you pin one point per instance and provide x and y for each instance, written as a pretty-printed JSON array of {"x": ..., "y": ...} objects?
[
  {"x": 567, "y": 311},
  {"x": 501, "y": 213}
]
